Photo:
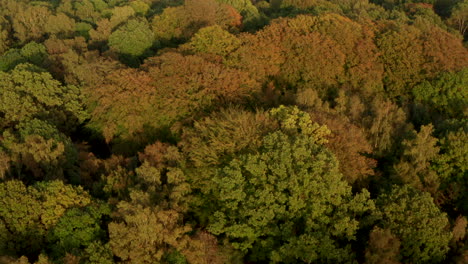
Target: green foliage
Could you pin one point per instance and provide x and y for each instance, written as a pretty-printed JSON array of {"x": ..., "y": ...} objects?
[
  {"x": 10, "y": 59},
  {"x": 414, "y": 167},
  {"x": 451, "y": 164},
  {"x": 78, "y": 228},
  {"x": 39, "y": 96},
  {"x": 85, "y": 10},
  {"x": 447, "y": 93},
  {"x": 167, "y": 27},
  {"x": 273, "y": 201},
  {"x": 402, "y": 56},
  {"x": 38, "y": 148},
  {"x": 28, "y": 213},
  {"x": 191, "y": 151},
  {"x": 424, "y": 16},
  {"x": 83, "y": 29},
  {"x": 60, "y": 25},
  {"x": 121, "y": 15},
  {"x": 32, "y": 52},
  {"x": 147, "y": 228},
  {"x": 97, "y": 253},
  {"x": 411, "y": 55},
  {"x": 134, "y": 39},
  {"x": 178, "y": 24},
  {"x": 224, "y": 134},
  {"x": 214, "y": 40},
  {"x": 414, "y": 218},
  {"x": 140, "y": 7},
  {"x": 459, "y": 16}
]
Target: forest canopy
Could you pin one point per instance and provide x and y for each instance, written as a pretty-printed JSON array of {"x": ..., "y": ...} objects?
[{"x": 233, "y": 131}]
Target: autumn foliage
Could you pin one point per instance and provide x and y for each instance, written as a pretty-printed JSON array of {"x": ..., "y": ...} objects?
[{"x": 233, "y": 131}]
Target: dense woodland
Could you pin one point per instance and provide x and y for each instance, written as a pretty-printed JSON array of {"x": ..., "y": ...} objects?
[{"x": 233, "y": 131}]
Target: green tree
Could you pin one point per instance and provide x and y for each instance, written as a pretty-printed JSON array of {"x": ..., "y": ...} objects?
[
  {"x": 32, "y": 52},
  {"x": 37, "y": 148},
  {"x": 459, "y": 17},
  {"x": 10, "y": 59},
  {"x": 77, "y": 229},
  {"x": 39, "y": 96},
  {"x": 445, "y": 94},
  {"x": 140, "y": 7},
  {"x": 120, "y": 15},
  {"x": 402, "y": 56},
  {"x": 414, "y": 167},
  {"x": 28, "y": 213},
  {"x": 287, "y": 7},
  {"x": 451, "y": 165},
  {"x": 221, "y": 136},
  {"x": 214, "y": 40},
  {"x": 85, "y": 10},
  {"x": 224, "y": 134},
  {"x": 413, "y": 217},
  {"x": 273, "y": 201},
  {"x": 178, "y": 24},
  {"x": 60, "y": 25},
  {"x": 97, "y": 253},
  {"x": 134, "y": 39},
  {"x": 424, "y": 16}
]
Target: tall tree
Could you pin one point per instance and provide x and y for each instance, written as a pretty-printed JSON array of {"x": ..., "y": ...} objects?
[
  {"x": 414, "y": 218},
  {"x": 459, "y": 17},
  {"x": 445, "y": 94},
  {"x": 414, "y": 167},
  {"x": 178, "y": 24},
  {"x": 29, "y": 23},
  {"x": 272, "y": 201},
  {"x": 29, "y": 213},
  {"x": 150, "y": 226},
  {"x": 451, "y": 165},
  {"x": 132, "y": 40},
  {"x": 77, "y": 229},
  {"x": 29, "y": 92}
]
